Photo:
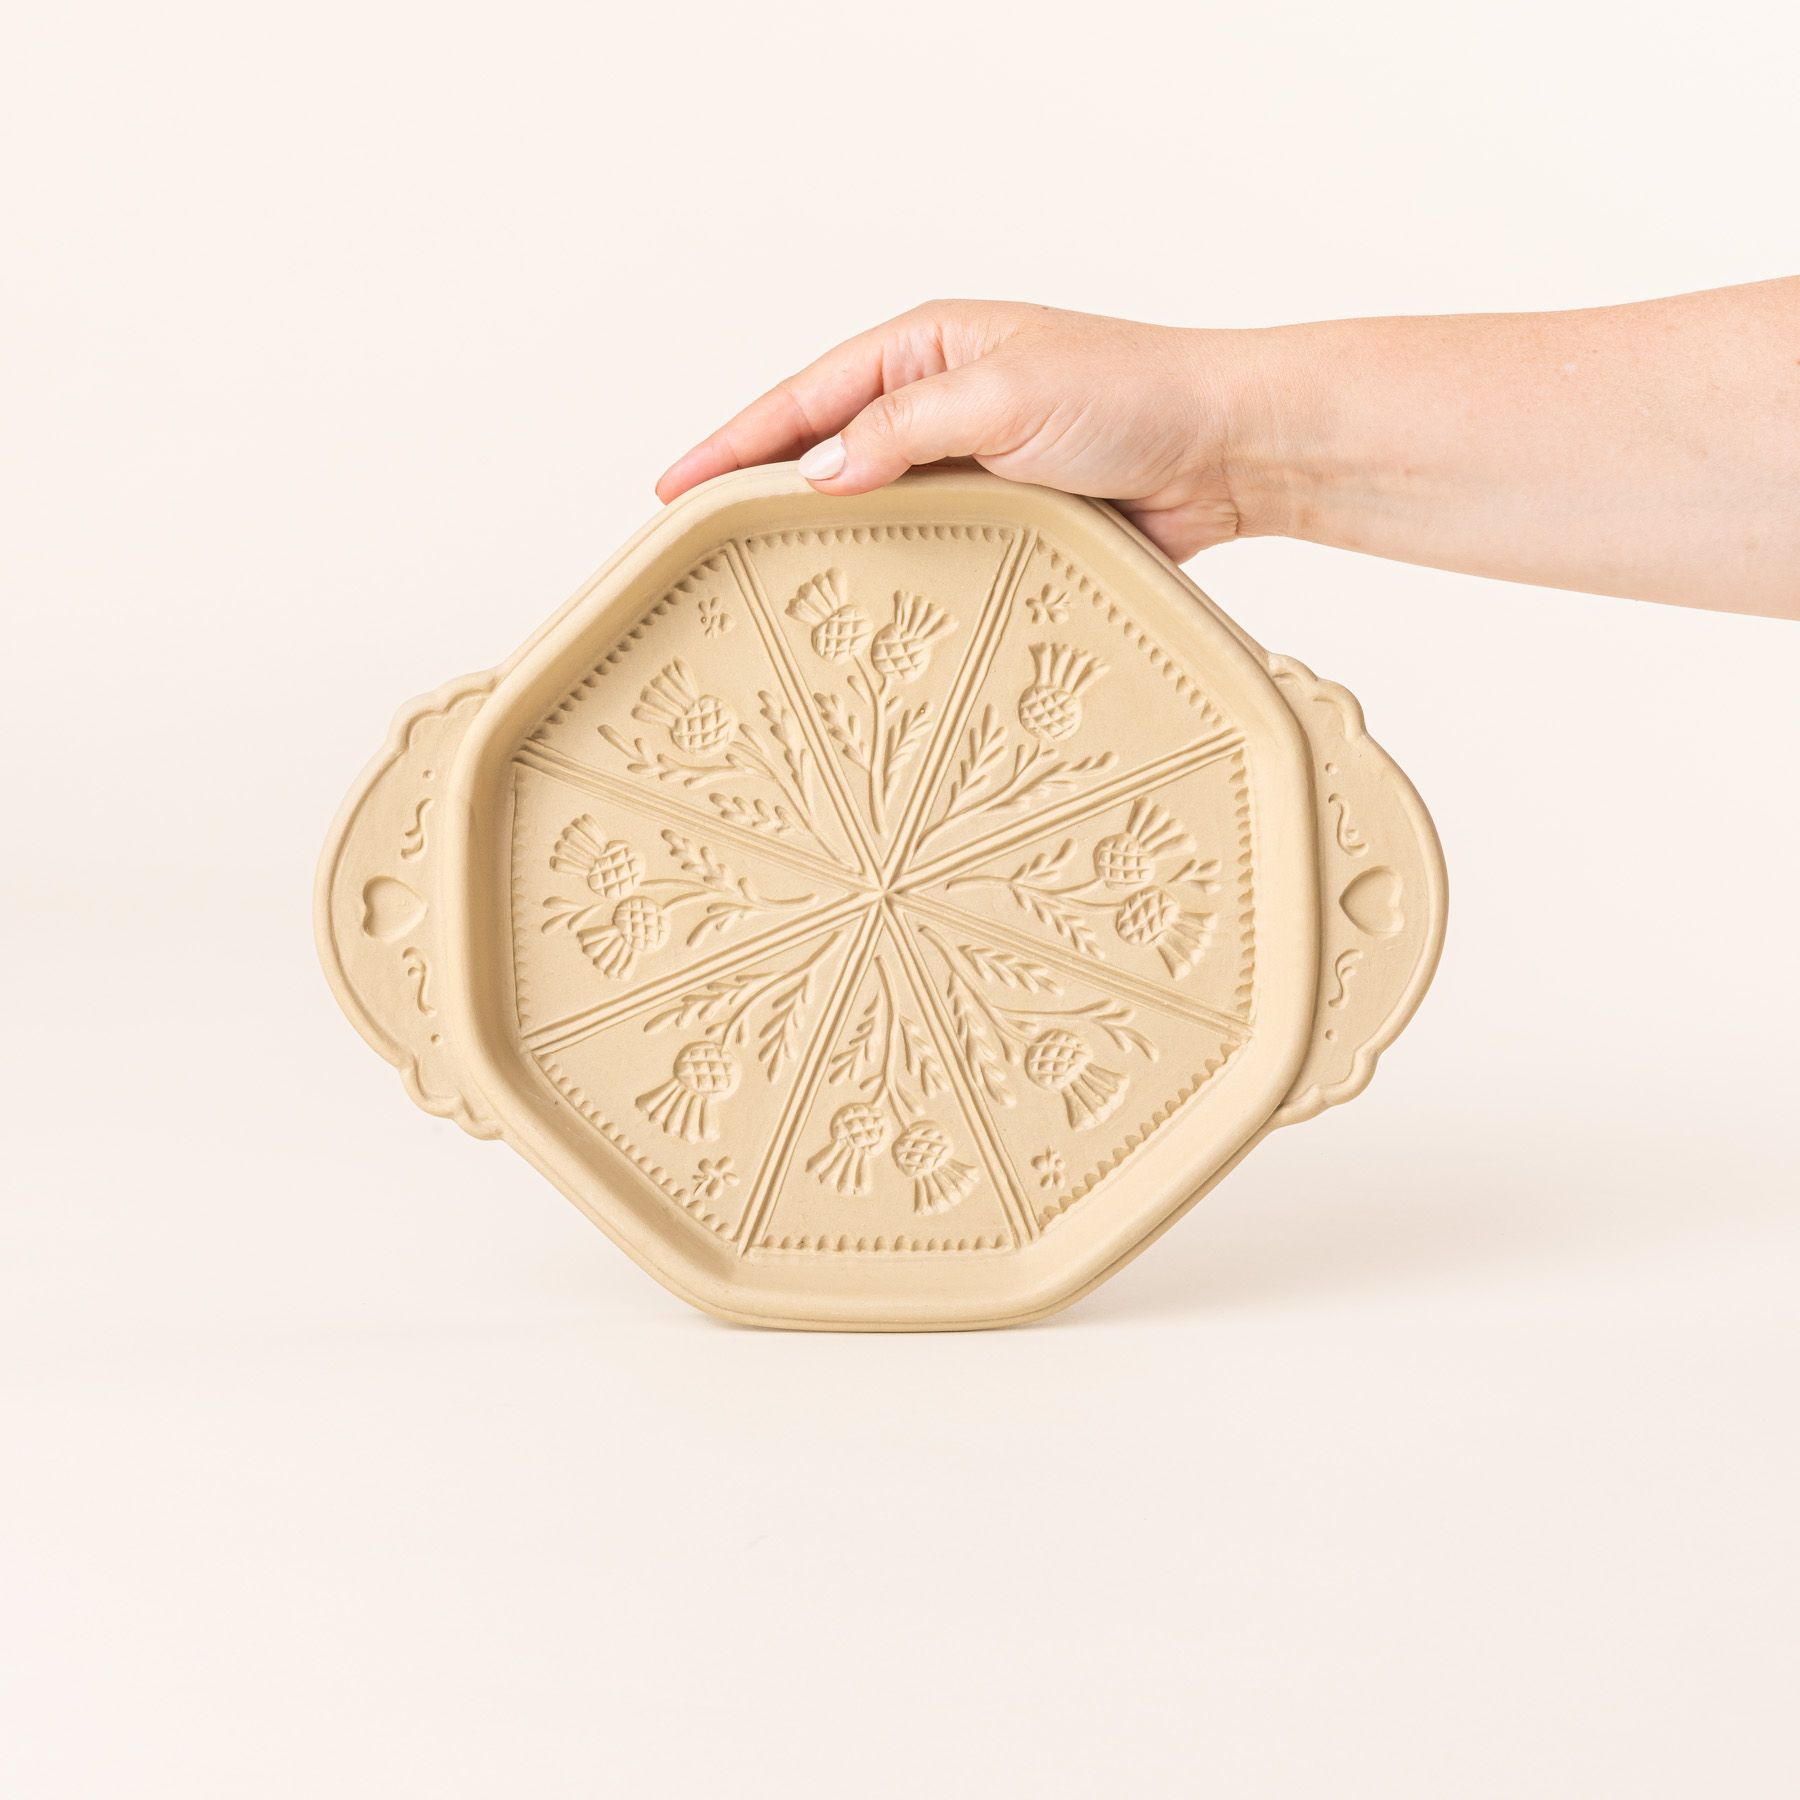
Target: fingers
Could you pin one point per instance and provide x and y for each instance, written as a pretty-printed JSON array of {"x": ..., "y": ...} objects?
[
  {"x": 812, "y": 405},
  {"x": 963, "y": 412}
]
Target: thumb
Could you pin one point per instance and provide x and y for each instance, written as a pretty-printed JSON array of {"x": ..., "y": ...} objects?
[{"x": 959, "y": 413}]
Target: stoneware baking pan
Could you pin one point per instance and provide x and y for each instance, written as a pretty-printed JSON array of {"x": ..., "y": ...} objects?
[{"x": 885, "y": 913}]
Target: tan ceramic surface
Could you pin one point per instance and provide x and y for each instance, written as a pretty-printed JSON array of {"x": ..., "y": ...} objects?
[{"x": 882, "y": 913}]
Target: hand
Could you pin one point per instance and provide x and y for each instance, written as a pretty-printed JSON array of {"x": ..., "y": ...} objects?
[
  {"x": 1102, "y": 407},
  {"x": 1650, "y": 450}
]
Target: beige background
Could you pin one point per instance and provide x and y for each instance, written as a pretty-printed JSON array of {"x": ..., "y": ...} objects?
[{"x": 1446, "y": 1450}]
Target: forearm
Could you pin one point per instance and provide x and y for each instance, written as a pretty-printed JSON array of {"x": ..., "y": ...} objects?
[{"x": 1650, "y": 450}]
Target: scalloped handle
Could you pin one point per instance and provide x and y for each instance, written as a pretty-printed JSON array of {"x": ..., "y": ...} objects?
[
  {"x": 1383, "y": 895},
  {"x": 376, "y": 907}
]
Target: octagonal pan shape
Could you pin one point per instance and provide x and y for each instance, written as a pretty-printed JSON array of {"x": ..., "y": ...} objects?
[{"x": 882, "y": 913}]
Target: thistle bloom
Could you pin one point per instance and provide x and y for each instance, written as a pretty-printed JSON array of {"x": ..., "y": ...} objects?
[
  {"x": 610, "y": 867},
  {"x": 858, "y": 1131},
  {"x": 638, "y": 925},
  {"x": 686, "y": 1105},
  {"x": 1128, "y": 858},
  {"x": 1153, "y": 916},
  {"x": 839, "y": 631},
  {"x": 922, "y": 1151},
  {"x": 903, "y": 649},
  {"x": 1060, "y": 1061},
  {"x": 699, "y": 723},
  {"x": 1051, "y": 707}
]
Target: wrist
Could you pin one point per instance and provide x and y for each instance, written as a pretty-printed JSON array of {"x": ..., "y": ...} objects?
[{"x": 1266, "y": 392}]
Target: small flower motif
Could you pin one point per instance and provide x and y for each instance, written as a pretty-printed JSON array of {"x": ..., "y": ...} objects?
[
  {"x": 610, "y": 867},
  {"x": 1050, "y": 1168},
  {"x": 839, "y": 631},
  {"x": 698, "y": 722},
  {"x": 1051, "y": 707},
  {"x": 1128, "y": 858},
  {"x": 922, "y": 1151},
  {"x": 686, "y": 1105},
  {"x": 712, "y": 1176},
  {"x": 715, "y": 621},
  {"x": 1049, "y": 606},
  {"x": 858, "y": 1132},
  {"x": 903, "y": 649},
  {"x": 1060, "y": 1061}
]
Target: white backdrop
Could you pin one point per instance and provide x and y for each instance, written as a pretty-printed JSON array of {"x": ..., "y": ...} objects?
[{"x": 1447, "y": 1449}]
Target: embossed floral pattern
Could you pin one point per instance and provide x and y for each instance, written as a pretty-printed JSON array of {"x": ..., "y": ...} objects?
[
  {"x": 1123, "y": 889},
  {"x": 642, "y": 915},
  {"x": 975, "y": 983}
]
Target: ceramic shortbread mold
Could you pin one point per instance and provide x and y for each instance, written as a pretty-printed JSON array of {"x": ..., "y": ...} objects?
[{"x": 888, "y": 912}]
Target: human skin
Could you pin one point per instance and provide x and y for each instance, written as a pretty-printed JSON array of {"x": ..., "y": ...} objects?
[{"x": 1650, "y": 450}]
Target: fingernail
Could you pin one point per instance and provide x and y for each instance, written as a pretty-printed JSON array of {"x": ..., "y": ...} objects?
[{"x": 824, "y": 460}]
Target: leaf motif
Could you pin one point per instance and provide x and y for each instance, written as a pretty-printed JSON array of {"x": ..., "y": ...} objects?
[
  {"x": 668, "y": 769},
  {"x": 978, "y": 1050},
  {"x": 635, "y": 751},
  {"x": 701, "y": 1005},
  {"x": 793, "y": 747},
  {"x": 919, "y": 1057},
  {"x": 907, "y": 733},
  {"x": 856, "y": 1047},
  {"x": 559, "y": 911},
  {"x": 1047, "y": 865},
  {"x": 1011, "y": 970},
  {"x": 1114, "y": 1021},
  {"x": 696, "y": 861},
  {"x": 983, "y": 748},
  {"x": 1203, "y": 875},
  {"x": 844, "y": 729},
  {"x": 1049, "y": 774},
  {"x": 717, "y": 918},
  {"x": 778, "y": 1041},
  {"x": 757, "y": 815},
  {"x": 1065, "y": 923}
]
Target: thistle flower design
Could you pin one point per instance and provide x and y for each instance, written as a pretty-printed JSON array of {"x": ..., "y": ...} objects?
[
  {"x": 1060, "y": 1061},
  {"x": 922, "y": 1151},
  {"x": 610, "y": 867},
  {"x": 1128, "y": 858},
  {"x": 637, "y": 926},
  {"x": 902, "y": 649},
  {"x": 972, "y": 1031},
  {"x": 839, "y": 631},
  {"x": 698, "y": 723},
  {"x": 686, "y": 1105},
  {"x": 1050, "y": 708},
  {"x": 857, "y": 1132},
  {"x": 1153, "y": 916}
]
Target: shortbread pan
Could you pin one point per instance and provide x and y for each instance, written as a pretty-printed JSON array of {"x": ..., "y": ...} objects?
[{"x": 882, "y": 913}]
